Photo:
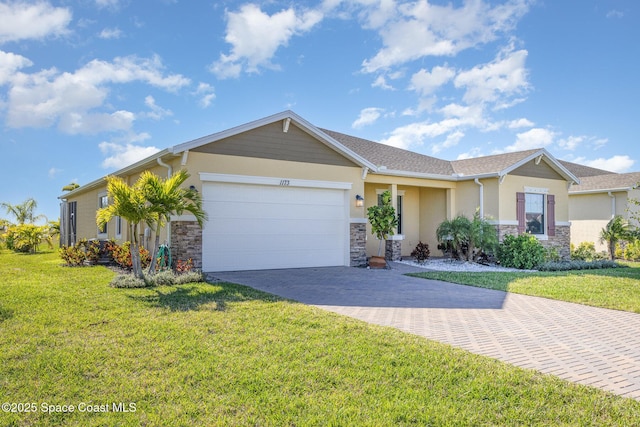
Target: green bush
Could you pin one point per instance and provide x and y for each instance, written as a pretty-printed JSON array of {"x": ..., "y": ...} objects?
[
  {"x": 25, "y": 237},
  {"x": 579, "y": 265},
  {"x": 586, "y": 251},
  {"x": 632, "y": 251},
  {"x": 522, "y": 252},
  {"x": 72, "y": 256},
  {"x": 163, "y": 278}
]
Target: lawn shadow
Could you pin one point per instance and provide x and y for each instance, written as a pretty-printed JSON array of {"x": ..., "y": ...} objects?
[
  {"x": 193, "y": 296},
  {"x": 5, "y": 313}
]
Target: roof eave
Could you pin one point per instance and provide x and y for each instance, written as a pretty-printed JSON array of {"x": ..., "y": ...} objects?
[
  {"x": 600, "y": 190},
  {"x": 100, "y": 181}
]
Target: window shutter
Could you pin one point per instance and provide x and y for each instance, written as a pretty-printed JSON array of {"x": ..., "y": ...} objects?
[
  {"x": 520, "y": 212},
  {"x": 551, "y": 215}
]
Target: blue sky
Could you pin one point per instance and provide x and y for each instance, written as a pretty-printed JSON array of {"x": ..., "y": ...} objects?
[{"x": 88, "y": 87}]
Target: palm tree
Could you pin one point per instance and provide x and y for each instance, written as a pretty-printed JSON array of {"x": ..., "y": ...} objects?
[
  {"x": 24, "y": 212},
  {"x": 482, "y": 235},
  {"x": 456, "y": 232},
  {"x": 166, "y": 198},
  {"x": 616, "y": 229},
  {"x": 129, "y": 202}
]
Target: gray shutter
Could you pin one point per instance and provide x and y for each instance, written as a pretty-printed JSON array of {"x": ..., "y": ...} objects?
[
  {"x": 551, "y": 215},
  {"x": 520, "y": 212}
]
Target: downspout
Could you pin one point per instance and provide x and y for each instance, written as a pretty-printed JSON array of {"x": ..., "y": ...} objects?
[
  {"x": 477, "y": 181},
  {"x": 613, "y": 204},
  {"x": 169, "y": 173}
]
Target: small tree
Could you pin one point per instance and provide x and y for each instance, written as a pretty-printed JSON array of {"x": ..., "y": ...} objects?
[
  {"x": 482, "y": 235},
  {"x": 383, "y": 219},
  {"x": 616, "y": 229}
]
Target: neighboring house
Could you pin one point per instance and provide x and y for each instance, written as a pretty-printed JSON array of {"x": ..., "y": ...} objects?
[
  {"x": 281, "y": 192},
  {"x": 599, "y": 197}
]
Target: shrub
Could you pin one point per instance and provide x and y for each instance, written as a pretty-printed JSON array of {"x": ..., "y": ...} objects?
[
  {"x": 579, "y": 265},
  {"x": 128, "y": 281},
  {"x": 632, "y": 251},
  {"x": 163, "y": 278},
  {"x": 121, "y": 255},
  {"x": 184, "y": 266},
  {"x": 552, "y": 255},
  {"x": 522, "y": 252},
  {"x": 421, "y": 252},
  {"x": 25, "y": 237},
  {"x": 586, "y": 251},
  {"x": 73, "y": 255}
]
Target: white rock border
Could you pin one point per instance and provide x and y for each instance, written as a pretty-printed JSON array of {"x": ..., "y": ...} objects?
[{"x": 444, "y": 264}]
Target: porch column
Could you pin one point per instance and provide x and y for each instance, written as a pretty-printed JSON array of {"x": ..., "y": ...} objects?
[
  {"x": 451, "y": 203},
  {"x": 393, "y": 246}
]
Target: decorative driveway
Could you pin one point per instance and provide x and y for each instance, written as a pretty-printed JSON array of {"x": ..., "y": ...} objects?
[{"x": 586, "y": 345}]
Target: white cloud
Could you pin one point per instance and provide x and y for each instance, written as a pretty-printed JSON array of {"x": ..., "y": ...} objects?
[
  {"x": 618, "y": 163},
  {"x": 157, "y": 112},
  {"x": 109, "y": 4},
  {"x": 472, "y": 153},
  {"x": 10, "y": 63},
  {"x": 367, "y": 117},
  {"x": 571, "y": 143},
  {"x": 207, "y": 94},
  {"x": 504, "y": 77},
  {"x": 255, "y": 37},
  {"x": 615, "y": 14},
  {"x": 531, "y": 139},
  {"x": 71, "y": 100},
  {"x": 426, "y": 82},
  {"x": 53, "y": 172},
  {"x": 520, "y": 123},
  {"x": 451, "y": 141},
  {"x": 32, "y": 20},
  {"x": 122, "y": 155},
  {"x": 381, "y": 82},
  {"x": 414, "y": 134},
  {"x": 415, "y": 30},
  {"x": 110, "y": 33}
]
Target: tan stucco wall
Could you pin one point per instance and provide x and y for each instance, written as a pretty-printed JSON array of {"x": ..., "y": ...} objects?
[
  {"x": 588, "y": 231},
  {"x": 584, "y": 207},
  {"x": 433, "y": 210}
]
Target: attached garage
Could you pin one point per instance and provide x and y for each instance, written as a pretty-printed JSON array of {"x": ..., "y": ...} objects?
[{"x": 270, "y": 223}]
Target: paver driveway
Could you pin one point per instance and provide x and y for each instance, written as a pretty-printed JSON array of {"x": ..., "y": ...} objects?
[{"x": 587, "y": 345}]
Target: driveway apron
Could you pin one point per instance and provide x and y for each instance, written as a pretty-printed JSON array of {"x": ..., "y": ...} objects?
[{"x": 586, "y": 345}]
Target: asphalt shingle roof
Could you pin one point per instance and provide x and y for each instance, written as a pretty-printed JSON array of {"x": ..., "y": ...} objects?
[
  {"x": 607, "y": 182},
  {"x": 582, "y": 170},
  {"x": 489, "y": 164},
  {"x": 391, "y": 157}
]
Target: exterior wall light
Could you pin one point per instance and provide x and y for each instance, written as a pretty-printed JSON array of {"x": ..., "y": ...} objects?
[{"x": 359, "y": 201}]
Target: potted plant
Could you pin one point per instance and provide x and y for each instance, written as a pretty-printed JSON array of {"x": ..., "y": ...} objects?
[{"x": 383, "y": 222}]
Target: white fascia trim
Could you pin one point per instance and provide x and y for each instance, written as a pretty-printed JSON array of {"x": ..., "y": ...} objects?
[
  {"x": 396, "y": 237},
  {"x": 358, "y": 221},
  {"x": 503, "y": 222},
  {"x": 563, "y": 223},
  {"x": 601, "y": 190},
  {"x": 273, "y": 181}
]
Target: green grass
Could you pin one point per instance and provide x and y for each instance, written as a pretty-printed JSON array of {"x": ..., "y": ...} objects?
[
  {"x": 615, "y": 288},
  {"x": 223, "y": 354}
]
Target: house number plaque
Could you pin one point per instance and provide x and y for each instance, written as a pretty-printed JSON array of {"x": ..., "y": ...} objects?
[{"x": 284, "y": 182}]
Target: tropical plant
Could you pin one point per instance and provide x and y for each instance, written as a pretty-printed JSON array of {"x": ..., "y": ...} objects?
[
  {"x": 455, "y": 232},
  {"x": 23, "y": 212},
  {"x": 616, "y": 229},
  {"x": 421, "y": 252},
  {"x": 482, "y": 235},
  {"x": 383, "y": 219},
  {"x": 25, "y": 237},
  {"x": 166, "y": 197},
  {"x": 523, "y": 252},
  {"x": 128, "y": 202}
]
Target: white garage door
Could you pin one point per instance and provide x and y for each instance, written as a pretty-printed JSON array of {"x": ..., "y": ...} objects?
[{"x": 253, "y": 227}]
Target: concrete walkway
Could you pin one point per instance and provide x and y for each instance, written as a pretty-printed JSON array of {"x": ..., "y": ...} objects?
[{"x": 586, "y": 345}]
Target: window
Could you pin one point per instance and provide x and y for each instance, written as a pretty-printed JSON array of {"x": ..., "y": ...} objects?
[
  {"x": 103, "y": 202},
  {"x": 534, "y": 213},
  {"x": 119, "y": 227}
]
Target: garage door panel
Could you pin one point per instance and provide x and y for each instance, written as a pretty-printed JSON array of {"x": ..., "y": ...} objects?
[{"x": 264, "y": 227}]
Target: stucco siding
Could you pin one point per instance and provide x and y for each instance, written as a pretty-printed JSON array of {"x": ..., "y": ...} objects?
[
  {"x": 588, "y": 230},
  {"x": 513, "y": 184}
]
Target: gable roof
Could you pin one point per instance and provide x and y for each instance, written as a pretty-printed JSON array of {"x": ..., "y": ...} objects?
[
  {"x": 371, "y": 156},
  {"x": 606, "y": 182}
]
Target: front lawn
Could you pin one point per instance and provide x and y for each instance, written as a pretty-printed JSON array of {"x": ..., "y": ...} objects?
[
  {"x": 615, "y": 288},
  {"x": 223, "y": 354}
]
